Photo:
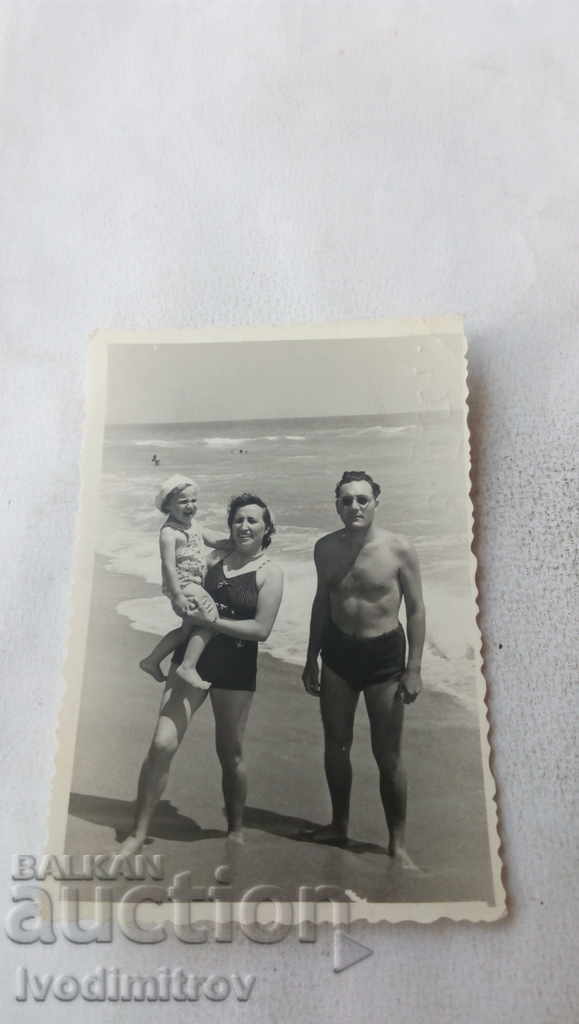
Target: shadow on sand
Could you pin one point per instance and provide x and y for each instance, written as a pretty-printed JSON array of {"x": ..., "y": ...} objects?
[
  {"x": 300, "y": 830},
  {"x": 169, "y": 824}
]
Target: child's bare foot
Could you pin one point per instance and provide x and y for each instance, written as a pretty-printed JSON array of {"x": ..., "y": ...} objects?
[
  {"x": 191, "y": 676},
  {"x": 153, "y": 669}
]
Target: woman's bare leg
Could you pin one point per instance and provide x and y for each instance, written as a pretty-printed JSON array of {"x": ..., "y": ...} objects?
[
  {"x": 231, "y": 708},
  {"x": 179, "y": 704}
]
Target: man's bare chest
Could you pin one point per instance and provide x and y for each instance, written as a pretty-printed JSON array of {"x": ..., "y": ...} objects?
[{"x": 373, "y": 573}]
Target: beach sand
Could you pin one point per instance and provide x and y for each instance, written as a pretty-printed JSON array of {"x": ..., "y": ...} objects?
[{"x": 446, "y": 833}]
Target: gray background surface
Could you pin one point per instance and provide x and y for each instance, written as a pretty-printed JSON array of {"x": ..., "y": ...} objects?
[{"x": 182, "y": 164}]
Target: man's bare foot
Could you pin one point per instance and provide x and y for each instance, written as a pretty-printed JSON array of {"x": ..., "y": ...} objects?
[
  {"x": 152, "y": 669},
  {"x": 333, "y": 835},
  {"x": 235, "y": 851},
  {"x": 130, "y": 847},
  {"x": 235, "y": 838},
  {"x": 191, "y": 676},
  {"x": 402, "y": 859}
]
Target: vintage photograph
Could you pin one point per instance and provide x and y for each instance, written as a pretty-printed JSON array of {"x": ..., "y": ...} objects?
[{"x": 274, "y": 665}]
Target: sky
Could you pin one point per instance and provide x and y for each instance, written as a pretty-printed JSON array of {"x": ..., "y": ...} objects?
[{"x": 193, "y": 382}]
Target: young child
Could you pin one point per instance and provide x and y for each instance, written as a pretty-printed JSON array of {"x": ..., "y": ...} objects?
[{"x": 183, "y": 567}]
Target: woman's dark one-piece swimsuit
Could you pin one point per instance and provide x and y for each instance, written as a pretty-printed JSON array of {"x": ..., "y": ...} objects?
[{"x": 228, "y": 663}]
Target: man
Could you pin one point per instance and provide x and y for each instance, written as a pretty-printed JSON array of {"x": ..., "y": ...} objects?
[{"x": 364, "y": 572}]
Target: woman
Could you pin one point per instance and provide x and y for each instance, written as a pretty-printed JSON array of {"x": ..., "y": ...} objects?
[{"x": 247, "y": 589}]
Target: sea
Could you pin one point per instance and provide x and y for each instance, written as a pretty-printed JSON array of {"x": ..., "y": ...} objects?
[{"x": 420, "y": 461}]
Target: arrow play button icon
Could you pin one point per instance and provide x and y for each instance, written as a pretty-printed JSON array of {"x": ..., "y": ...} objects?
[{"x": 348, "y": 952}]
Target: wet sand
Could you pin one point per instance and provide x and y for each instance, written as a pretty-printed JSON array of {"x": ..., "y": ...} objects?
[{"x": 446, "y": 832}]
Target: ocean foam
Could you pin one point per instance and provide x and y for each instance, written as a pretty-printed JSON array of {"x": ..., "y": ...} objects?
[
  {"x": 233, "y": 441},
  {"x": 149, "y": 615},
  {"x": 226, "y": 441},
  {"x": 160, "y": 443},
  {"x": 450, "y": 645},
  {"x": 451, "y": 639},
  {"x": 425, "y": 467}
]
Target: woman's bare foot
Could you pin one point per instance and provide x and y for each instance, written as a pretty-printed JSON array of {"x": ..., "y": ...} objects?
[
  {"x": 153, "y": 669},
  {"x": 191, "y": 676},
  {"x": 130, "y": 847}
]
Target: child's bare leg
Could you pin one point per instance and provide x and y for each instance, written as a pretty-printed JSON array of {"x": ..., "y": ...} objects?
[
  {"x": 188, "y": 668},
  {"x": 165, "y": 647}
]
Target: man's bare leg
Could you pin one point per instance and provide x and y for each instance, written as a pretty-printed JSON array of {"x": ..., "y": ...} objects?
[
  {"x": 338, "y": 703},
  {"x": 179, "y": 703},
  {"x": 231, "y": 709},
  {"x": 386, "y": 714}
]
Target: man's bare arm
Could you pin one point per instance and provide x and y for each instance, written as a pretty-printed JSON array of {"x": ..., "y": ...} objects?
[
  {"x": 319, "y": 618},
  {"x": 411, "y": 587}
]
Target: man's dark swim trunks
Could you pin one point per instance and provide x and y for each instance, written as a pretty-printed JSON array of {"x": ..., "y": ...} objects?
[{"x": 364, "y": 661}]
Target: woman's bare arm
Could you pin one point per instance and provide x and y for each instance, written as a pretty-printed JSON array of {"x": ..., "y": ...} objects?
[
  {"x": 268, "y": 602},
  {"x": 218, "y": 541}
]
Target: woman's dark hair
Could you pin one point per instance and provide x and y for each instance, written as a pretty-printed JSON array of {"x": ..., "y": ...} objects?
[
  {"x": 239, "y": 501},
  {"x": 352, "y": 475}
]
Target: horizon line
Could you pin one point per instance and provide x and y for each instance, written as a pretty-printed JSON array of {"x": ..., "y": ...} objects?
[{"x": 280, "y": 419}]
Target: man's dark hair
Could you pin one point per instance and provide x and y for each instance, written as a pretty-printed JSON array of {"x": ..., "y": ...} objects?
[
  {"x": 351, "y": 475},
  {"x": 239, "y": 501}
]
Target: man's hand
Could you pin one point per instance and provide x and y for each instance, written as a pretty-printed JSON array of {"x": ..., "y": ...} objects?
[
  {"x": 410, "y": 685},
  {"x": 311, "y": 678}
]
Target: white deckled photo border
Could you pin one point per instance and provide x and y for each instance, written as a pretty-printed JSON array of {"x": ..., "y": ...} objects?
[{"x": 447, "y": 331}]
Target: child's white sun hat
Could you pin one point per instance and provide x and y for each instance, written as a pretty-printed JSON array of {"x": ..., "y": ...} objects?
[{"x": 171, "y": 484}]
